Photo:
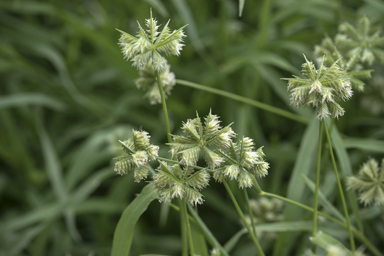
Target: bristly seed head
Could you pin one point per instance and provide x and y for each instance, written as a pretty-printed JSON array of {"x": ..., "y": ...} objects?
[
  {"x": 146, "y": 47},
  {"x": 321, "y": 88}
]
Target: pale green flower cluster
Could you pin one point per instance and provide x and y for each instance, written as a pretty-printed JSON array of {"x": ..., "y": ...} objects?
[
  {"x": 148, "y": 82},
  {"x": 242, "y": 161},
  {"x": 322, "y": 88},
  {"x": 205, "y": 138},
  {"x": 329, "y": 53},
  {"x": 174, "y": 181},
  {"x": 146, "y": 47},
  {"x": 361, "y": 40},
  {"x": 138, "y": 152},
  {"x": 369, "y": 183}
]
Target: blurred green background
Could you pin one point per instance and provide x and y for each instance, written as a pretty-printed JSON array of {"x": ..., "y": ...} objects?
[{"x": 67, "y": 95}]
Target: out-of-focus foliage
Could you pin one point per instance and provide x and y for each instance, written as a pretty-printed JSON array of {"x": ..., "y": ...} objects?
[{"x": 67, "y": 96}]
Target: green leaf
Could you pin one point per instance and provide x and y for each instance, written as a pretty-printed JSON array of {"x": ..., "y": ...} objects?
[
  {"x": 302, "y": 166},
  {"x": 346, "y": 169},
  {"x": 123, "y": 235},
  {"x": 241, "y": 7},
  {"x": 323, "y": 240},
  {"x": 24, "y": 99},
  {"x": 364, "y": 144},
  {"x": 186, "y": 14},
  {"x": 208, "y": 234},
  {"x": 323, "y": 200}
]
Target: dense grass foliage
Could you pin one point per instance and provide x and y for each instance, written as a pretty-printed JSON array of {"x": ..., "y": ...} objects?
[{"x": 67, "y": 96}]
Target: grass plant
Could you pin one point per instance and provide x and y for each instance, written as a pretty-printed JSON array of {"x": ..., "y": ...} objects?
[{"x": 212, "y": 137}]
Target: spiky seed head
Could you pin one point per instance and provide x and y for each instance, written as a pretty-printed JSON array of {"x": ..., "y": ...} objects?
[
  {"x": 148, "y": 82},
  {"x": 198, "y": 137},
  {"x": 146, "y": 47},
  {"x": 138, "y": 152},
  {"x": 176, "y": 182},
  {"x": 369, "y": 183},
  {"x": 321, "y": 88},
  {"x": 242, "y": 161}
]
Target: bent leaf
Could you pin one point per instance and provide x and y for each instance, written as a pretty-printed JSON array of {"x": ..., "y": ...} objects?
[{"x": 122, "y": 239}]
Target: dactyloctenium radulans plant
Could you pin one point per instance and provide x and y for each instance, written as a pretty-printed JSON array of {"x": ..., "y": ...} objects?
[
  {"x": 369, "y": 183},
  {"x": 322, "y": 88}
]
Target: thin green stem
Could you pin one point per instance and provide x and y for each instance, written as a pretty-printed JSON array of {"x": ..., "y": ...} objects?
[
  {"x": 314, "y": 229},
  {"x": 352, "y": 241},
  {"x": 250, "y": 212},
  {"x": 254, "y": 239},
  {"x": 184, "y": 232},
  {"x": 184, "y": 223},
  {"x": 163, "y": 102},
  {"x": 186, "y": 219},
  {"x": 356, "y": 232},
  {"x": 251, "y": 102}
]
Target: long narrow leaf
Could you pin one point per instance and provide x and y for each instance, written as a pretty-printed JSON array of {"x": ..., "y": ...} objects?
[{"x": 122, "y": 238}]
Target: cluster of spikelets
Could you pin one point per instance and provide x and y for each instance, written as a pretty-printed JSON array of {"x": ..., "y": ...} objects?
[
  {"x": 322, "y": 88},
  {"x": 138, "y": 152},
  {"x": 354, "y": 47},
  {"x": 225, "y": 158},
  {"x": 265, "y": 211},
  {"x": 148, "y": 45},
  {"x": 175, "y": 181},
  {"x": 340, "y": 63},
  {"x": 241, "y": 162},
  {"x": 369, "y": 183},
  {"x": 145, "y": 51},
  {"x": 198, "y": 137},
  {"x": 148, "y": 82}
]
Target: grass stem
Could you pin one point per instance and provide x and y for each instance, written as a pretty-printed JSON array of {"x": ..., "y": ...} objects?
[
  {"x": 352, "y": 241},
  {"x": 248, "y": 101},
  {"x": 164, "y": 104},
  {"x": 254, "y": 238},
  {"x": 314, "y": 229}
]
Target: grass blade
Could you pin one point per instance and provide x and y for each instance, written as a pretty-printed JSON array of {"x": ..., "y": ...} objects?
[{"x": 122, "y": 238}]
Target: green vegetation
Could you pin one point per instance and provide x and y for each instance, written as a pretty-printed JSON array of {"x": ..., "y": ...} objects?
[{"x": 234, "y": 161}]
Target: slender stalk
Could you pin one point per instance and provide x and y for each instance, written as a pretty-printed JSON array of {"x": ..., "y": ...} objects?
[
  {"x": 254, "y": 239},
  {"x": 250, "y": 212},
  {"x": 184, "y": 231},
  {"x": 251, "y": 102},
  {"x": 340, "y": 189},
  {"x": 314, "y": 229},
  {"x": 185, "y": 214},
  {"x": 164, "y": 107}
]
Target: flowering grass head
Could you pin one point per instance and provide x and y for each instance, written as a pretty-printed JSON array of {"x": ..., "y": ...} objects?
[
  {"x": 242, "y": 161},
  {"x": 369, "y": 183},
  {"x": 148, "y": 45},
  {"x": 361, "y": 41},
  {"x": 328, "y": 53},
  {"x": 174, "y": 181},
  {"x": 148, "y": 82},
  {"x": 321, "y": 88},
  {"x": 198, "y": 137},
  {"x": 138, "y": 152}
]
